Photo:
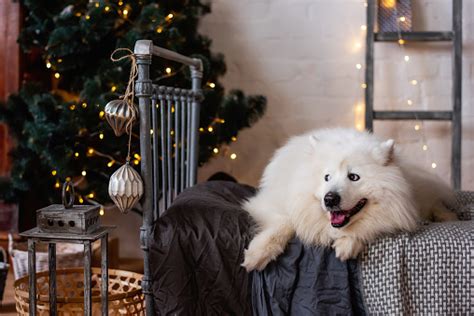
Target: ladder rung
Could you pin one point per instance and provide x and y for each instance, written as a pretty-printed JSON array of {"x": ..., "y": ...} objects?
[
  {"x": 414, "y": 36},
  {"x": 413, "y": 115}
]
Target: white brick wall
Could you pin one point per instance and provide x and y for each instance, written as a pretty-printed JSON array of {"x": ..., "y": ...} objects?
[{"x": 302, "y": 54}]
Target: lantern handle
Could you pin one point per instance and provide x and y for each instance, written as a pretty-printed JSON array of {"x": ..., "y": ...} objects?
[{"x": 68, "y": 187}]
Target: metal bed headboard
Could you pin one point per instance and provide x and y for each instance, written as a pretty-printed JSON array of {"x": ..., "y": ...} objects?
[{"x": 169, "y": 140}]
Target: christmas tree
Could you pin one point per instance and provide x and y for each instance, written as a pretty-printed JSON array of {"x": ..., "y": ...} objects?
[{"x": 57, "y": 117}]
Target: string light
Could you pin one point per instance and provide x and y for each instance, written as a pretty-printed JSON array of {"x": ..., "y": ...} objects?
[
  {"x": 48, "y": 65},
  {"x": 409, "y": 102},
  {"x": 54, "y": 172},
  {"x": 363, "y": 27},
  {"x": 81, "y": 200},
  {"x": 201, "y": 129},
  {"x": 169, "y": 16},
  {"x": 76, "y": 154},
  {"x": 72, "y": 107},
  {"x": 97, "y": 4},
  {"x": 401, "y": 41},
  {"x": 402, "y": 19},
  {"x": 407, "y": 58},
  {"x": 57, "y": 185},
  {"x": 84, "y": 173},
  {"x": 136, "y": 162},
  {"x": 60, "y": 60},
  {"x": 110, "y": 163},
  {"x": 88, "y": 17},
  {"x": 417, "y": 127},
  {"x": 168, "y": 70},
  {"x": 120, "y": 3},
  {"x": 212, "y": 85},
  {"x": 159, "y": 29},
  {"x": 113, "y": 88},
  {"x": 433, "y": 165},
  {"x": 364, "y": 86},
  {"x": 357, "y": 45},
  {"x": 101, "y": 135},
  {"x": 91, "y": 195},
  {"x": 210, "y": 129},
  {"x": 233, "y": 138},
  {"x": 90, "y": 151},
  {"x": 137, "y": 156},
  {"x": 233, "y": 156},
  {"x": 68, "y": 178},
  {"x": 101, "y": 114},
  {"x": 84, "y": 105},
  {"x": 101, "y": 211},
  {"x": 57, "y": 75},
  {"x": 216, "y": 150},
  {"x": 425, "y": 147},
  {"x": 414, "y": 82},
  {"x": 358, "y": 66},
  {"x": 125, "y": 12},
  {"x": 107, "y": 9},
  {"x": 151, "y": 132}
]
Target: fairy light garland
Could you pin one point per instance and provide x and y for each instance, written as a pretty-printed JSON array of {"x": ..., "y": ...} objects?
[{"x": 359, "y": 106}]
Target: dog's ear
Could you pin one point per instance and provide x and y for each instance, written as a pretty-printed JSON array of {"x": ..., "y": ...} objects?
[
  {"x": 384, "y": 152},
  {"x": 313, "y": 140}
]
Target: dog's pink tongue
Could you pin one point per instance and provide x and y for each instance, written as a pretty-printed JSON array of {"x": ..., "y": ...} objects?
[{"x": 337, "y": 218}]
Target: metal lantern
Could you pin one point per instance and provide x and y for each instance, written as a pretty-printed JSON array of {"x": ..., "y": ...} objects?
[
  {"x": 394, "y": 15},
  {"x": 71, "y": 224},
  {"x": 68, "y": 218},
  {"x": 118, "y": 114},
  {"x": 125, "y": 187}
]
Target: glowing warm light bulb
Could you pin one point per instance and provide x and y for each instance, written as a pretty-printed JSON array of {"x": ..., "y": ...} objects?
[
  {"x": 48, "y": 64},
  {"x": 101, "y": 114},
  {"x": 401, "y": 41},
  {"x": 425, "y": 147},
  {"x": 110, "y": 163},
  {"x": 216, "y": 150},
  {"x": 84, "y": 173},
  {"x": 233, "y": 138},
  {"x": 233, "y": 156},
  {"x": 417, "y": 127},
  {"x": 363, "y": 86},
  {"x": 136, "y": 162},
  {"x": 212, "y": 85},
  {"x": 57, "y": 185},
  {"x": 101, "y": 211},
  {"x": 357, "y": 45},
  {"x": 151, "y": 132},
  {"x": 159, "y": 29},
  {"x": 57, "y": 75},
  {"x": 76, "y": 154},
  {"x": 407, "y": 58},
  {"x": 358, "y": 66},
  {"x": 107, "y": 9},
  {"x": 409, "y": 102},
  {"x": 113, "y": 88},
  {"x": 90, "y": 151},
  {"x": 201, "y": 129},
  {"x": 84, "y": 105},
  {"x": 363, "y": 27},
  {"x": 91, "y": 195},
  {"x": 137, "y": 156},
  {"x": 101, "y": 136},
  {"x": 414, "y": 82},
  {"x": 125, "y": 12},
  {"x": 168, "y": 70},
  {"x": 81, "y": 200},
  {"x": 54, "y": 172},
  {"x": 170, "y": 16},
  {"x": 97, "y": 4},
  {"x": 88, "y": 17},
  {"x": 402, "y": 19},
  {"x": 433, "y": 165}
]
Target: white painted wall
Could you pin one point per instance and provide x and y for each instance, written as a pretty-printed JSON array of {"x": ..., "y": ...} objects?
[{"x": 302, "y": 54}]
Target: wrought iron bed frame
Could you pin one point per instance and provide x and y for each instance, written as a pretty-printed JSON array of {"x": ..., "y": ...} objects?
[{"x": 169, "y": 142}]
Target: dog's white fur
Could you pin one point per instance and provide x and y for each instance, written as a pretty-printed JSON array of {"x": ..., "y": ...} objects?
[{"x": 289, "y": 200}]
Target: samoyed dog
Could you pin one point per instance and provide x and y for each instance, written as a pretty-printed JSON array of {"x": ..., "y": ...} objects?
[{"x": 340, "y": 188}]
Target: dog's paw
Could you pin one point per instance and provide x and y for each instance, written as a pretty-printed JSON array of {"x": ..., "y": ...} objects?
[
  {"x": 261, "y": 251},
  {"x": 255, "y": 260},
  {"x": 347, "y": 248}
]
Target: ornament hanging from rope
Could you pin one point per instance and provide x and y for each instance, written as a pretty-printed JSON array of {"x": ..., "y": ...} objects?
[
  {"x": 122, "y": 112},
  {"x": 125, "y": 187},
  {"x": 125, "y": 184},
  {"x": 118, "y": 114}
]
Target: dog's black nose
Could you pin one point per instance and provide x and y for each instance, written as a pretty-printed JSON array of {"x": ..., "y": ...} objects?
[{"x": 332, "y": 199}]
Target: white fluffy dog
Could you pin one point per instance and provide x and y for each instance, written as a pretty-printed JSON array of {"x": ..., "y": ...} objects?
[{"x": 340, "y": 188}]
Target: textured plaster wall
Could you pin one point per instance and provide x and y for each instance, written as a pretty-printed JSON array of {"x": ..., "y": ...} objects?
[{"x": 302, "y": 55}]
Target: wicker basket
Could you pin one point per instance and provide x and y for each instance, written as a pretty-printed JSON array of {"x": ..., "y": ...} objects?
[
  {"x": 125, "y": 294},
  {"x": 67, "y": 256}
]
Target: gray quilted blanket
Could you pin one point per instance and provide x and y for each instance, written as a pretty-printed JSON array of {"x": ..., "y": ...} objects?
[{"x": 428, "y": 272}]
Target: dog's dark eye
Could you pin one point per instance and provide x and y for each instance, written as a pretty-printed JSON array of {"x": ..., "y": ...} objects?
[
  {"x": 326, "y": 178},
  {"x": 353, "y": 177}
]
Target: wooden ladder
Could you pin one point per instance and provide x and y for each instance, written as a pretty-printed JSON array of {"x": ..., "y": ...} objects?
[{"x": 455, "y": 36}]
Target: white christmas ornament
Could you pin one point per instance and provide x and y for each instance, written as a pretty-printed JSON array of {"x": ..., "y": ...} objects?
[
  {"x": 125, "y": 187},
  {"x": 118, "y": 114}
]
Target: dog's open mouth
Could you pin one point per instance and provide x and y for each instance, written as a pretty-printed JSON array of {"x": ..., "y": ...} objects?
[{"x": 341, "y": 218}]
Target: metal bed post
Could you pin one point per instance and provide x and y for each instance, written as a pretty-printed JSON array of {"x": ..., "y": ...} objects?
[
  {"x": 144, "y": 88},
  {"x": 184, "y": 105}
]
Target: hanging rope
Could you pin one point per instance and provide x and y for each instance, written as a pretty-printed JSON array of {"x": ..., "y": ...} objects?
[{"x": 129, "y": 95}]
